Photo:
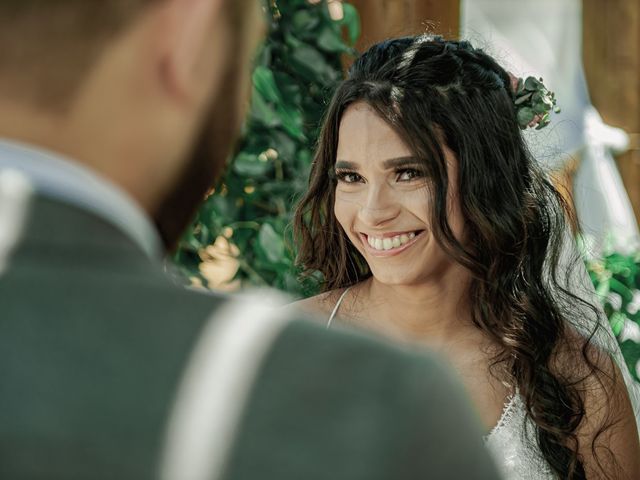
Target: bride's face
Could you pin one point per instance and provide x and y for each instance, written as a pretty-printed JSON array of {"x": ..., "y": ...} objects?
[{"x": 382, "y": 200}]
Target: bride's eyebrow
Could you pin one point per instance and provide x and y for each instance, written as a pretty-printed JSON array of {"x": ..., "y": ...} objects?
[
  {"x": 344, "y": 165},
  {"x": 400, "y": 162},
  {"x": 389, "y": 164}
]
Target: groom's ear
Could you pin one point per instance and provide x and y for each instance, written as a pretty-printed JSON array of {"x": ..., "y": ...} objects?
[{"x": 192, "y": 43}]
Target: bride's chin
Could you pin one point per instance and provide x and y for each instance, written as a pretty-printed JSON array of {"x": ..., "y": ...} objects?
[{"x": 390, "y": 278}]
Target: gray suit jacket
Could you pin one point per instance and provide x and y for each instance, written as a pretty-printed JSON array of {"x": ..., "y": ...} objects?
[{"x": 96, "y": 345}]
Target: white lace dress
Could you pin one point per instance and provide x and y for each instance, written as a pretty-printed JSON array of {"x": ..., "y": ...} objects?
[{"x": 512, "y": 441}]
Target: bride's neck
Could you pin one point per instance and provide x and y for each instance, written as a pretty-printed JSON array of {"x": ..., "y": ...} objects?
[{"x": 433, "y": 310}]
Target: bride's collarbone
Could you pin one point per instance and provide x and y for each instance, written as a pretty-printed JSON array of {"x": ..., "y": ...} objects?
[{"x": 469, "y": 352}]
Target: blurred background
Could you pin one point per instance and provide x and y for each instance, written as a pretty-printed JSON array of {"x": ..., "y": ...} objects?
[{"x": 585, "y": 50}]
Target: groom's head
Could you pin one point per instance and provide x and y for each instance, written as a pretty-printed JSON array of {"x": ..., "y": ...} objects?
[{"x": 148, "y": 93}]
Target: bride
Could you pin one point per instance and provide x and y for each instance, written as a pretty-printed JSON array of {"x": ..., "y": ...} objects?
[{"x": 432, "y": 224}]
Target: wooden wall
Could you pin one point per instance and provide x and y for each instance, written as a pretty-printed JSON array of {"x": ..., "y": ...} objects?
[
  {"x": 391, "y": 18},
  {"x": 612, "y": 64}
]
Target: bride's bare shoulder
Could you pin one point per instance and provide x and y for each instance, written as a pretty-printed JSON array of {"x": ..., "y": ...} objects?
[{"x": 321, "y": 304}]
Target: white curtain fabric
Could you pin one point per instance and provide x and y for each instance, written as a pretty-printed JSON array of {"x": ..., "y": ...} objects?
[
  {"x": 543, "y": 38},
  {"x": 606, "y": 214}
]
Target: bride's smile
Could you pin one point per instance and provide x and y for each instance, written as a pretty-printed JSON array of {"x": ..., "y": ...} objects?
[{"x": 389, "y": 244}]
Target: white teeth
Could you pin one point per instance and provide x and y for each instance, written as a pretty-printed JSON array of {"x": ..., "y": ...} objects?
[{"x": 390, "y": 242}]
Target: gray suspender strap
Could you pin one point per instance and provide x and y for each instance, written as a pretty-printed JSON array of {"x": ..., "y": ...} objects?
[
  {"x": 216, "y": 386},
  {"x": 337, "y": 307}
]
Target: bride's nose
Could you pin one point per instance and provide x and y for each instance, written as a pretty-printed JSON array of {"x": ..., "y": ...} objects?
[{"x": 380, "y": 207}]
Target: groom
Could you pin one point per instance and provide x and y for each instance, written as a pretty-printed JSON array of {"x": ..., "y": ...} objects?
[{"x": 120, "y": 113}]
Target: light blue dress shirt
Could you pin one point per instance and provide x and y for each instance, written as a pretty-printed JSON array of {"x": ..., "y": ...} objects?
[{"x": 53, "y": 176}]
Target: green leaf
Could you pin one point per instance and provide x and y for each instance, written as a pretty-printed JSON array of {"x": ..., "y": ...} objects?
[
  {"x": 525, "y": 116},
  {"x": 603, "y": 289},
  {"x": 292, "y": 41},
  {"x": 312, "y": 65},
  {"x": 621, "y": 289},
  {"x": 631, "y": 354},
  {"x": 285, "y": 145},
  {"x": 224, "y": 207},
  {"x": 241, "y": 238},
  {"x": 330, "y": 41},
  {"x": 265, "y": 83},
  {"x": 621, "y": 264},
  {"x": 304, "y": 20},
  {"x": 249, "y": 165},
  {"x": 262, "y": 112},
  {"x": 617, "y": 322},
  {"x": 540, "y": 108},
  {"x": 522, "y": 99},
  {"x": 532, "y": 84},
  {"x": 291, "y": 91},
  {"x": 271, "y": 243},
  {"x": 263, "y": 57},
  {"x": 351, "y": 20},
  {"x": 543, "y": 122},
  {"x": 291, "y": 121}
]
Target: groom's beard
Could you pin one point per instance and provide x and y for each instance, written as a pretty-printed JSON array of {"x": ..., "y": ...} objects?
[{"x": 213, "y": 146}]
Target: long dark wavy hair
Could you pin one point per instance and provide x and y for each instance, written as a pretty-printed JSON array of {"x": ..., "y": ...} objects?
[{"x": 432, "y": 91}]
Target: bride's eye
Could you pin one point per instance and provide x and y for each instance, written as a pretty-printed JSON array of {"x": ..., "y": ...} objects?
[
  {"x": 408, "y": 174},
  {"x": 346, "y": 176}
]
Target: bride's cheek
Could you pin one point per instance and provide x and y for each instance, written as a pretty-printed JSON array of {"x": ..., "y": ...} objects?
[
  {"x": 347, "y": 200},
  {"x": 346, "y": 209}
]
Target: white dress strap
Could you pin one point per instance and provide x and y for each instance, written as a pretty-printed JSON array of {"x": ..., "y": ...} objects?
[{"x": 337, "y": 307}]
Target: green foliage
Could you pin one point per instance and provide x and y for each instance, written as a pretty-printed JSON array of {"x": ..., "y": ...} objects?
[
  {"x": 296, "y": 71},
  {"x": 616, "y": 277},
  {"x": 534, "y": 103}
]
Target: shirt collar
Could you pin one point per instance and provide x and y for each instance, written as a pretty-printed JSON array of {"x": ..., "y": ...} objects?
[{"x": 56, "y": 177}]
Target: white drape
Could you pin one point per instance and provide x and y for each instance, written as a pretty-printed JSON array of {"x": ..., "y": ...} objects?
[{"x": 544, "y": 38}]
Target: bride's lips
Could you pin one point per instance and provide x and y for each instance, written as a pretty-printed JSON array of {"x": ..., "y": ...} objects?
[{"x": 392, "y": 251}]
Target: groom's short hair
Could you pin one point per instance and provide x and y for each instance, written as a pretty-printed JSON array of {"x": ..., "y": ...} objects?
[{"x": 49, "y": 45}]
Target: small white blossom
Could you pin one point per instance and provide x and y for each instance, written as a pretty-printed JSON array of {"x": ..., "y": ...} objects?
[
  {"x": 630, "y": 331},
  {"x": 634, "y": 305},
  {"x": 615, "y": 300}
]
